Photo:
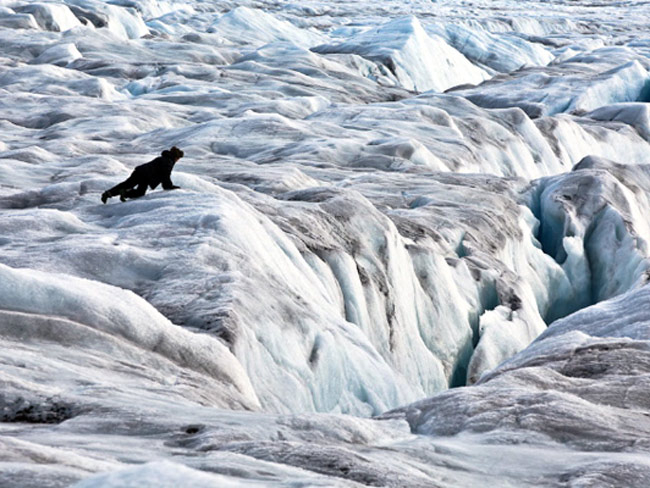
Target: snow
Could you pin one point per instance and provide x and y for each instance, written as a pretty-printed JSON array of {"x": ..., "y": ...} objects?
[{"x": 410, "y": 246}]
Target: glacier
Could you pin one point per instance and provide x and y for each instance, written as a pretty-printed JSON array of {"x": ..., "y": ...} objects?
[{"x": 410, "y": 246}]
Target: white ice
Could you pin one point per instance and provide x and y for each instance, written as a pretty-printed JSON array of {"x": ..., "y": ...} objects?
[
  {"x": 419, "y": 62},
  {"x": 382, "y": 205}
]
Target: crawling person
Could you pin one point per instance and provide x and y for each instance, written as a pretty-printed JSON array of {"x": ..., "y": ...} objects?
[{"x": 150, "y": 174}]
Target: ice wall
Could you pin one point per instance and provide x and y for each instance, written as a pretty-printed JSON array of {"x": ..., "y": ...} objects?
[
  {"x": 320, "y": 236},
  {"x": 378, "y": 203},
  {"x": 569, "y": 360}
]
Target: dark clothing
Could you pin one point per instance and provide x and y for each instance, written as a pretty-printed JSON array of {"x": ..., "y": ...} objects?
[
  {"x": 150, "y": 174},
  {"x": 127, "y": 189},
  {"x": 155, "y": 172}
]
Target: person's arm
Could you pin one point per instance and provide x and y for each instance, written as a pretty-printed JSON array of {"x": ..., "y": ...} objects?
[{"x": 168, "y": 185}]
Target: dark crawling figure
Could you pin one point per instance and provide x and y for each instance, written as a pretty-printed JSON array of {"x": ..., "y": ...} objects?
[{"x": 150, "y": 174}]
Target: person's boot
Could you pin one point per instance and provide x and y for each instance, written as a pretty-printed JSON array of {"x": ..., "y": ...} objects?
[
  {"x": 123, "y": 196},
  {"x": 105, "y": 196}
]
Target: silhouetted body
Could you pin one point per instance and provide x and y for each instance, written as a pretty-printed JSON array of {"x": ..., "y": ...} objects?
[{"x": 146, "y": 175}]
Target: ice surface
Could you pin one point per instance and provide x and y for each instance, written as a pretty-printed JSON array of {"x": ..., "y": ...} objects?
[
  {"x": 59, "y": 55},
  {"x": 8, "y": 18},
  {"x": 565, "y": 363},
  {"x": 551, "y": 91},
  {"x": 503, "y": 53},
  {"x": 418, "y": 61},
  {"x": 258, "y": 27},
  {"x": 379, "y": 202},
  {"x": 636, "y": 115},
  {"x": 50, "y": 16},
  {"x": 57, "y": 303},
  {"x": 163, "y": 474}
]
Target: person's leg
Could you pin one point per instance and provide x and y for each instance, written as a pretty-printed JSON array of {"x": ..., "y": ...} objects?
[
  {"x": 127, "y": 184},
  {"x": 134, "y": 192}
]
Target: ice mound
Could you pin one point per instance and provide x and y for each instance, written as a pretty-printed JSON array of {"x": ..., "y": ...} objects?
[
  {"x": 49, "y": 79},
  {"x": 296, "y": 71},
  {"x": 58, "y": 55},
  {"x": 12, "y": 20},
  {"x": 502, "y": 53},
  {"x": 455, "y": 135},
  {"x": 627, "y": 83},
  {"x": 155, "y": 8},
  {"x": 254, "y": 26},
  {"x": 123, "y": 22},
  {"x": 636, "y": 115},
  {"x": 61, "y": 305},
  {"x": 384, "y": 153},
  {"x": 540, "y": 93},
  {"x": 298, "y": 355},
  {"x": 420, "y": 62},
  {"x": 524, "y": 24},
  {"x": 573, "y": 138},
  {"x": 55, "y": 17},
  {"x": 161, "y": 474},
  {"x": 123, "y": 19}
]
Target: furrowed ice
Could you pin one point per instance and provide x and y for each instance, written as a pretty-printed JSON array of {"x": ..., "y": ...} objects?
[{"x": 380, "y": 203}]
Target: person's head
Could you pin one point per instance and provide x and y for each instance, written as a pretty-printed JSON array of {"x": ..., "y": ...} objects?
[{"x": 174, "y": 153}]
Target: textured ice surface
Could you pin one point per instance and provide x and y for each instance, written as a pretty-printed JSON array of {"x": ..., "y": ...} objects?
[
  {"x": 577, "y": 85},
  {"x": 254, "y": 26},
  {"x": 418, "y": 61},
  {"x": 379, "y": 201},
  {"x": 502, "y": 53}
]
